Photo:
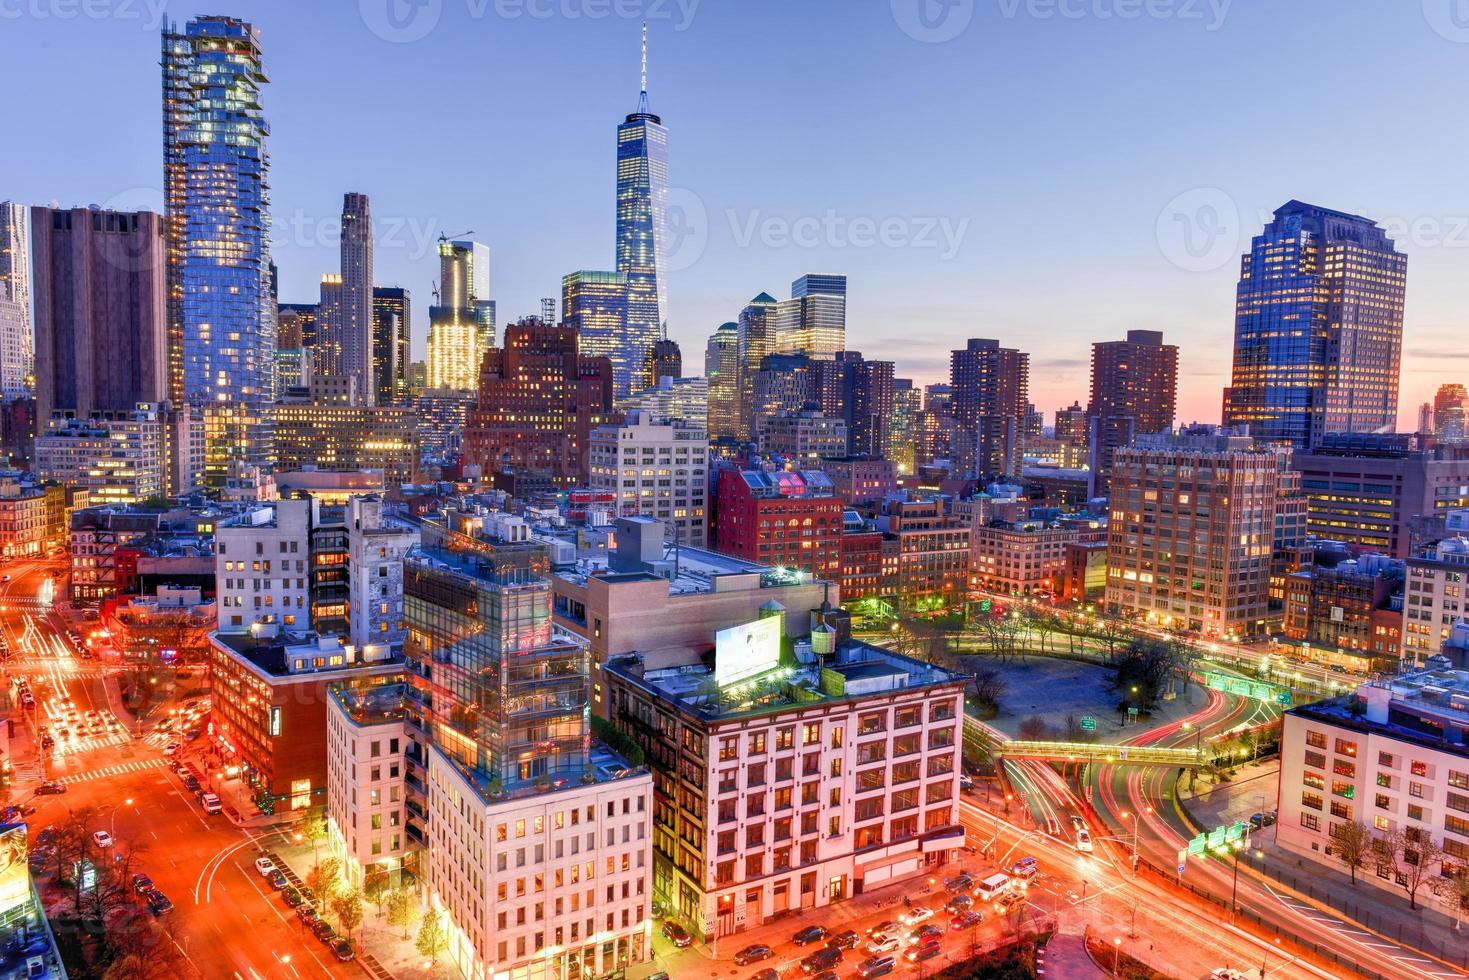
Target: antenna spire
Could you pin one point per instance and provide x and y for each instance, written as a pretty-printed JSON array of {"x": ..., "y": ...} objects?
[{"x": 645, "y": 56}]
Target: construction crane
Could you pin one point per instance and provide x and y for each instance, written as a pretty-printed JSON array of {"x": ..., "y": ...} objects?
[{"x": 444, "y": 239}]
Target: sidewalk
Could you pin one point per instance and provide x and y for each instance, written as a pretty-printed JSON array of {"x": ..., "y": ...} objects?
[{"x": 1325, "y": 883}]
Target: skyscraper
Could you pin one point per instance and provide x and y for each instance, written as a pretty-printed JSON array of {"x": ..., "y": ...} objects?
[
  {"x": 1450, "y": 404},
  {"x": 991, "y": 398},
  {"x": 391, "y": 310},
  {"x": 17, "y": 336},
  {"x": 814, "y": 320},
  {"x": 215, "y": 165},
  {"x": 642, "y": 199},
  {"x": 100, "y": 303},
  {"x": 1134, "y": 393},
  {"x": 907, "y": 404},
  {"x": 1318, "y": 328},
  {"x": 757, "y": 338},
  {"x": 722, "y": 369},
  {"x": 594, "y": 304},
  {"x": 352, "y": 327},
  {"x": 664, "y": 360},
  {"x": 456, "y": 344}
]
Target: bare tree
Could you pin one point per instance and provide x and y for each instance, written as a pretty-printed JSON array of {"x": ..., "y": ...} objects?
[
  {"x": 1352, "y": 842},
  {"x": 1413, "y": 856},
  {"x": 1034, "y": 729},
  {"x": 989, "y": 687}
]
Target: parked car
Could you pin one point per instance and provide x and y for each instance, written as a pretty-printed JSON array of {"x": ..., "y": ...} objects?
[
  {"x": 278, "y": 881},
  {"x": 102, "y": 838},
  {"x": 824, "y": 958},
  {"x": 753, "y": 954},
  {"x": 306, "y": 913},
  {"x": 322, "y": 929},
  {"x": 808, "y": 935},
  {"x": 211, "y": 803},
  {"x": 766, "y": 974},
  {"x": 142, "y": 883},
  {"x": 343, "y": 951},
  {"x": 158, "y": 903},
  {"x": 966, "y": 781},
  {"x": 291, "y": 897},
  {"x": 264, "y": 866},
  {"x": 677, "y": 934}
]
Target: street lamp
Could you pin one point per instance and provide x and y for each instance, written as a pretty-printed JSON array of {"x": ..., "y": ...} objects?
[
  {"x": 1237, "y": 846},
  {"x": 1117, "y": 956},
  {"x": 1135, "y": 815}
]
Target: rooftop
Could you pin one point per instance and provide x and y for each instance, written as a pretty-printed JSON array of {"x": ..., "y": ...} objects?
[
  {"x": 272, "y": 656},
  {"x": 694, "y": 572},
  {"x": 1427, "y": 707},
  {"x": 856, "y": 670}
]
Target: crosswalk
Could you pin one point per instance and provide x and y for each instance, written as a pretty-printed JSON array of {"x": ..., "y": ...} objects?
[
  {"x": 121, "y": 769},
  {"x": 91, "y": 743},
  {"x": 29, "y": 772}
]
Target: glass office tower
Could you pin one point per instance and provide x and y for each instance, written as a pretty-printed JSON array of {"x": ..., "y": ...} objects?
[
  {"x": 502, "y": 694},
  {"x": 595, "y": 304},
  {"x": 642, "y": 199},
  {"x": 1318, "y": 331},
  {"x": 221, "y": 314}
]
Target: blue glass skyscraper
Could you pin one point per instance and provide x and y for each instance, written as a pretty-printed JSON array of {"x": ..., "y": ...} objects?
[
  {"x": 217, "y": 198},
  {"x": 1318, "y": 332},
  {"x": 642, "y": 200}
]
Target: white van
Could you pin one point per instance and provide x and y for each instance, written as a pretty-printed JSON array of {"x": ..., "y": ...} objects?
[
  {"x": 210, "y": 802},
  {"x": 992, "y": 886}
]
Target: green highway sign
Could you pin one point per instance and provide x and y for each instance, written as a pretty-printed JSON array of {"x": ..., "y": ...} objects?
[
  {"x": 1247, "y": 688},
  {"x": 1197, "y": 845},
  {"x": 1088, "y": 723}
]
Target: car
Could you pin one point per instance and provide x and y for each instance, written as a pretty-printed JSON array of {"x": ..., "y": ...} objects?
[
  {"x": 1009, "y": 901},
  {"x": 50, "y": 789},
  {"x": 917, "y": 914},
  {"x": 923, "y": 934},
  {"x": 823, "y": 975},
  {"x": 64, "y": 732},
  {"x": 959, "y": 904},
  {"x": 845, "y": 940},
  {"x": 1083, "y": 842},
  {"x": 753, "y": 954},
  {"x": 172, "y": 748},
  {"x": 192, "y": 734},
  {"x": 884, "y": 944},
  {"x": 278, "y": 881},
  {"x": 305, "y": 913},
  {"x": 966, "y": 781},
  {"x": 343, "y": 951},
  {"x": 765, "y": 974},
  {"x": 968, "y": 920},
  {"x": 158, "y": 903},
  {"x": 876, "y": 966},
  {"x": 211, "y": 803},
  {"x": 163, "y": 725},
  {"x": 824, "y": 958},
  {"x": 47, "y": 742},
  {"x": 264, "y": 866},
  {"x": 883, "y": 928},
  {"x": 142, "y": 883},
  {"x": 307, "y": 893},
  {"x": 1338, "y": 668},
  {"x": 1257, "y": 820},
  {"x": 192, "y": 782},
  {"x": 1271, "y": 817},
  {"x": 677, "y": 934},
  {"x": 322, "y": 929},
  {"x": 1026, "y": 868},
  {"x": 923, "y": 951},
  {"x": 961, "y": 882},
  {"x": 102, "y": 838},
  {"x": 808, "y": 935}
]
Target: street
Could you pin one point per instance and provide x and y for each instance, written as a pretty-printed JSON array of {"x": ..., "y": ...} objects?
[{"x": 226, "y": 921}]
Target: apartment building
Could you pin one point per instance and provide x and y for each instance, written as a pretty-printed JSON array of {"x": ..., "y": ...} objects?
[
  {"x": 1025, "y": 557},
  {"x": 925, "y": 552},
  {"x": 1402, "y": 763},
  {"x": 23, "y": 522},
  {"x": 655, "y": 468},
  {"x": 797, "y": 789},
  {"x": 1435, "y": 597}
]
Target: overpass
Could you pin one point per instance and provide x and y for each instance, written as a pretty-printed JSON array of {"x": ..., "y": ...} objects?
[{"x": 998, "y": 744}]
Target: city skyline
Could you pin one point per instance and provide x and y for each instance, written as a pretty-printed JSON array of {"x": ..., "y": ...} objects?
[{"x": 994, "y": 283}]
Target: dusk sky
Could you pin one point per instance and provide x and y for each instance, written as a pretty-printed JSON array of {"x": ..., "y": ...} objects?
[{"x": 1054, "y": 173}]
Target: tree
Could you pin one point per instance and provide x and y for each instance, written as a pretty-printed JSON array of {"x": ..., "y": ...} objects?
[
  {"x": 1112, "y": 631},
  {"x": 1352, "y": 842},
  {"x": 402, "y": 909},
  {"x": 1459, "y": 894},
  {"x": 324, "y": 878},
  {"x": 1413, "y": 856},
  {"x": 1033, "y": 728},
  {"x": 433, "y": 938},
  {"x": 347, "y": 906},
  {"x": 989, "y": 687},
  {"x": 315, "y": 827},
  {"x": 128, "y": 967},
  {"x": 377, "y": 889},
  {"x": 1143, "y": 668}
]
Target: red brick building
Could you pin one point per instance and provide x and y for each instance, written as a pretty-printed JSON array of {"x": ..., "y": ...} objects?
[
  {"x": 861, "y": 563},
  {"x": 539, "y": 399},
  {"x": 786, "y": 519}
]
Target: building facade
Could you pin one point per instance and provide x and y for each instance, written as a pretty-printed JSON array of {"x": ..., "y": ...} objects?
[
  {"x": 991, "y": 391},
  {"x": 117, "y": 457},
  {"x": 1134, "y": 391},
  {"x": 642, "y": 230},
  {"x": 1318, "y": 330},
  {"x": 1435, "y": 597},
  {"x": 655, "y": 469},
  {"x": 785, "y": 519}
]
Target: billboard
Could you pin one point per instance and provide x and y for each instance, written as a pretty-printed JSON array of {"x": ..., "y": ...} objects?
[{"x": 743, "y": 651}]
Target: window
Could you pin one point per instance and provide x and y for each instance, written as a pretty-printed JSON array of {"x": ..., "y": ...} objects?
[
  {"x": 1310, "y": 821},
  {"x": 1343, "y": 789},
  {"x": 1344, "y": 747},
  {"x": 1418, "y": 768},
  {"x": 1311, "y": 801},
  {"x": 1317, "y": 740},
  {"x": 1343, "y": 768},
  {"x": 1316, "y": 760}
]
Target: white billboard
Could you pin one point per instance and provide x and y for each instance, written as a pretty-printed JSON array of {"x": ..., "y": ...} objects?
[{"x": 743, "y": 651}]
